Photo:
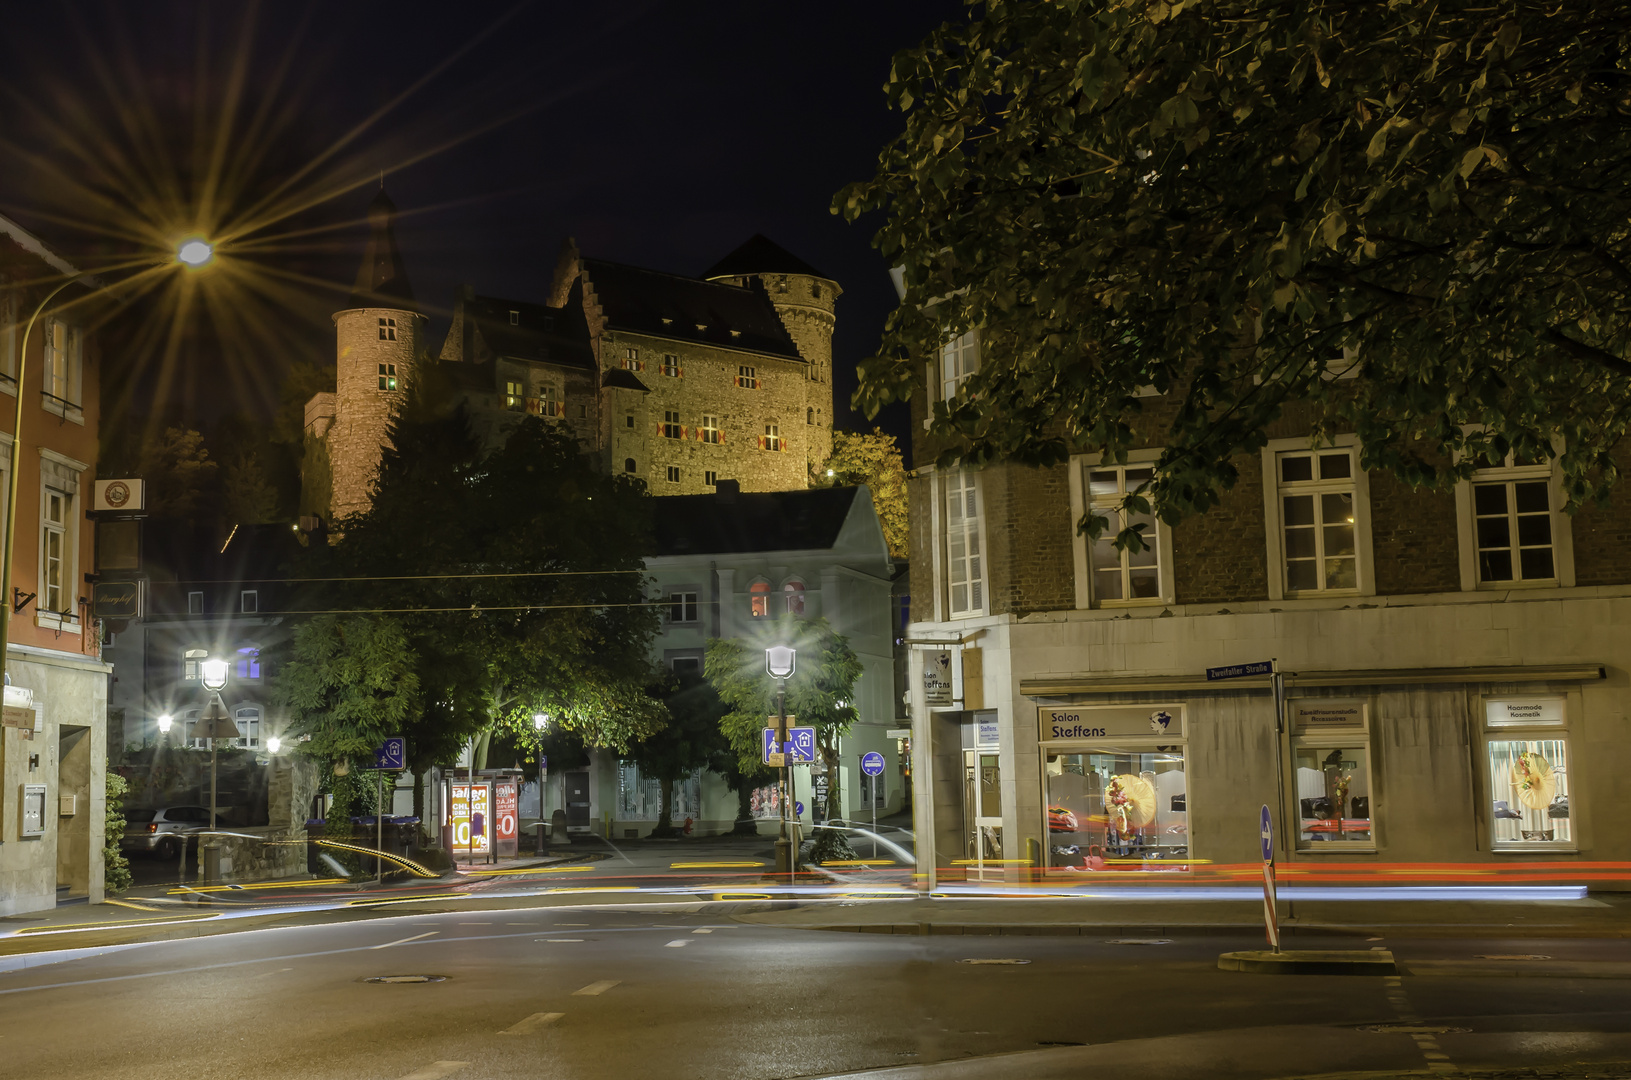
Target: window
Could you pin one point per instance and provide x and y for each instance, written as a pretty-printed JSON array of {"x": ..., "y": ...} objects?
[
  {"x": 673, "y": 474},
  {"x": 686, "y": 665},
  {"x": 249, "y": 601},
  {"x": 190, "y": 661},
  {"x": 710, "y": 478},
  {"x": 959, "y": 358},
  {"x": 56, "y": 562},
  {"x": 671, "y": 428},
  {"x": 514, "y": 397},
  {"x": 1116, "y": 803},
  {"x": 548, "y": 401},
  {"x": 1318, "y": 520},
  {"x": 1331, "y": 761},
  {"x": 249, "y": 662},
  {"x": 793, "y": 594},
  {"x": 759, "y": 599},
  {"x": 628, "y": 420},
  {"x": 747, "y": 377},
  {"x": 682, "y": 607},
  {"x": 387, "y": 329},
  {"x": 772, "y": 439},
  {"x": 671, "y": 365},
  {"x": 809, "y": 415},
  {"x": 248, "y": 722},
  {"x": 710, "y": 430},
  {"x": 8, "y": 336},
  {"x": 628, "y": 465},
  {"x": 583, "y": 412},
  {"x": 515, "y": 318},
  {"x": 1119, "y": 577},
  {"x": 387, "y": 376},
  {"x": 1527, "y": 747},
  {"x": 631, "y": 360},
  {"x": 188, "y": 720},
  {"x": 195, "y": 603},
  {"x": 1514, "y": 529},
  {"x": 62, "y": 354},
  {"x": 965, "y": 575}
]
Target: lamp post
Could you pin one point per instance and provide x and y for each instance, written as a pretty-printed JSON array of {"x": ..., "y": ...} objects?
[
  {"x": 540, "y": 723},
  {"x": 195, "y": 254},
  {"x": 213, "y": 673},
  {"x": 779, "y": 664}
]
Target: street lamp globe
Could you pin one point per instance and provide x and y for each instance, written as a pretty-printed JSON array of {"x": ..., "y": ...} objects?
[
  {"x": 274, "y": 744},
  {"x": 779, "y": 660},
  {"x": 164, "y": 724},
  {"x": 540, "y": 721},
  {"x": 195, "y": 253},
  {"x": 214, "y": 673}
]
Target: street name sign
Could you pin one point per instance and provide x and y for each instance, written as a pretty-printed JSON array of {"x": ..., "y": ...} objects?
[{"x": 1240, "y": 671}]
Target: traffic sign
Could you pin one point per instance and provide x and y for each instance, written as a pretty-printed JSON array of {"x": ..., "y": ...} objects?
[
  {"x": 799, "y": 749},
  {"x": 392, "y": 754},
  {"x": 872, "y": 764},
  {"x": 1271, "y": 919},
  {"x": 1240, "y": 671},
  {"x": 1266, "y": 831}
]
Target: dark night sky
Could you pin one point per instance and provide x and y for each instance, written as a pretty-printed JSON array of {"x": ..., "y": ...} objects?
[{"x": 660, "y": 134}]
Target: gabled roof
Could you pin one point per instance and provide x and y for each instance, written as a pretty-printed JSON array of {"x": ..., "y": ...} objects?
[
  {"x": 540, "y": 333},
  {"x": 382, "y": 280},
  {"x": 685, "y": 309},
  {"x": 748, "y": 522},
  {"x": 761, "y": 255}
]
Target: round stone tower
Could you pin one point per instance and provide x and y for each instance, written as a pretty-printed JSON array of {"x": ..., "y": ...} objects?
[{"x": 376, "y": 339}]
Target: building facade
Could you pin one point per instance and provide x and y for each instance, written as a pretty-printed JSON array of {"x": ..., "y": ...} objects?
[
  {"x": 53, "y": 743},
  {"x": 1453, "y": 662}
]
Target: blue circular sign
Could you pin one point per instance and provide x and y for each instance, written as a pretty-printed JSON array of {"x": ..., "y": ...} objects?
[
  {"x": 1267, "y": 834},
  {"x": 798, "y": 809},
  {"x": 872, "y": 764}
]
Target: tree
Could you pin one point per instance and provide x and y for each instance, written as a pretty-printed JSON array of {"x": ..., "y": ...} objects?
[
  {"x": 248, "y": 497},
  {"x": 691, "y": 740},
  {"x": 179, "y": 473},
  {"x": 820, "y": 694},
  {"x": 874, "y": 460},
  {"x": 115, "y": 867},
  {"x": 1238, "y": 205}
]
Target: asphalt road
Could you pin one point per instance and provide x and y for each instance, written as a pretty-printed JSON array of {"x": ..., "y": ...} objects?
[{"x": 688, "y": 992}]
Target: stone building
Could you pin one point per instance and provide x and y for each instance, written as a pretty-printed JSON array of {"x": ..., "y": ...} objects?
[
  {"x": 679, "y": 381},
  {"x": 1454, "y": 662}
]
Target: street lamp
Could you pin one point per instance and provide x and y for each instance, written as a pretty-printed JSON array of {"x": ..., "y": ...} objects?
[
  {"x": 195, "y": 253},
  {"x": 540, "y": 722},
  {"x": 273, "y": 744},
  {"x": 164, "y": 724},
  {"x": 780, "y": 660},
  {"x": 214, "y": 725}
]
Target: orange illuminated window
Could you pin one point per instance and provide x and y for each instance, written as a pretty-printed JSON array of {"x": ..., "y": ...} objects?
[{"x": 759, "y": 599}]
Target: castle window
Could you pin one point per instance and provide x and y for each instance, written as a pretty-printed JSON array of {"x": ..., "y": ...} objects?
[
  {"x": 815, "y": 290},
  {"x": 809, "y": 415},
  {"x": 628, "y": 465},
  {"x": 387, "y": 376},
  {"x": 548, "y": 402},
  {"x": 583, "y": 412},
  {"x": 747, "y": 377},
  {"x": 759, "y": 599},
  {"x": 515, "y": 318},
  {"x": 514, "y": 399},
  {"x": 710, "y": 478},
  {"x": 387, "y": 329},
  {"x": 710, "y": 429},
  {"x": 772, "y": 439},
  {"x": 671, "y": 425},
  {"x": 673, "y": 474},
  {"x": 631, "y": 360},
  {"x": 628, "y": 420},
  {"x": 671, "y": 365}
]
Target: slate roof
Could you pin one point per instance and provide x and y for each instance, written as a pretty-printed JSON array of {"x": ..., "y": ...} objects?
[
  {"x": 626, "y": 379},
  {"x": 749, "y": 522},
  {"x": 541, "y": 333},
  {"x": 762, "y": 255},
  {"x": 382, "y": 280},
  {"x": 666, "y": 305}
]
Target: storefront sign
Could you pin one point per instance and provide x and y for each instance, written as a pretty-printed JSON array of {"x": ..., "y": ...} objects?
[
  {"x": 937, "y": 680},
  {"x": 1517, "y": 712},
  {"x": 1327, "y": 715},
  {"x": 985, "y": 732},
  {"x": 1061, "y": 722}
]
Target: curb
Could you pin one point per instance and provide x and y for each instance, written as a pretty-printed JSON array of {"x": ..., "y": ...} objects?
[{"x": 1310, "y": 962}]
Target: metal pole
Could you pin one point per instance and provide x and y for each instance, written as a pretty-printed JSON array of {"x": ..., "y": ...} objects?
[
  {"x": 872, "y": 789},
  {"x": 204, "y": 866},
  {"x": 787, "y": 787},
  {"x": 1277, "y": 682},
  {"x": 379, "y": 826}
]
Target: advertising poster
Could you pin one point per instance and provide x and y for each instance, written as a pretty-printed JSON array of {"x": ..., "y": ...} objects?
[
  {"x": 470, "y": 815},
  {"x": 507, "y": 798}
]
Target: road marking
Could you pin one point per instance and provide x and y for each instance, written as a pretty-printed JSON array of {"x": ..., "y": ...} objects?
[
  {"x": 702, "y": 931},
  {"x": 475, "y": 924},
  {"x": 532, "y": 1023},
  {"x": 436, "y": 1070},
  {"x": 713, "y": 865},
  {"x": 595, "y": 989},
  {"x": 263, "y": 974},
  {"x": 128, "y": 904},
  {"x": 569, "y": 924},
  {"x": 559, "y": 940},
  {"x": 679, "y": 943},
  {"x": 404, "y": 941}
]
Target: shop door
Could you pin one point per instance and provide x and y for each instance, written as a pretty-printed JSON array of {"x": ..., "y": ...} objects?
[
  {"x": 576, "y": 789},
  {"x": 982, "y": 813}
]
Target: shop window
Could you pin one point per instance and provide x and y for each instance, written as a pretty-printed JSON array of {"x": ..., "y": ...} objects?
[
  {"x": 640, "y": 798},
  {"x": 965, "y": 574},
  {"x": 1527, "y": 747},
  {"x": 959, "y": 359},
  {"x": 759, "y": 599},
  {"x": 1331, "y": 763},
  {"x": 1111, "y": 803},
  {"x": 1123, "y": 577},
  {"x": 1318, "y": 521},
  {"x": 793, "y": 593}
]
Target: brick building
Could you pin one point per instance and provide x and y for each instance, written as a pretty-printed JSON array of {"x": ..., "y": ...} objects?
[{"x": 1456, "y": 688}]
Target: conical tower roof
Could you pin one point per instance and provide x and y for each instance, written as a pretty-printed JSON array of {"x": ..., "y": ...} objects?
[
  {"x": 382, "y": 280},
  {"x": 761, "y": 255}
]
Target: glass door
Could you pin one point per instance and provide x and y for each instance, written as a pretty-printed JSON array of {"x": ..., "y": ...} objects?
[{"x": 982, "y": 813}]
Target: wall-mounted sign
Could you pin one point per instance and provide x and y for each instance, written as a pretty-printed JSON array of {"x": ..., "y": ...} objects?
[
  {"x": 120, "y": 495},
  {"x": 1311, "y": 715},
  {"x": 986, "y": 736},
  {"x": 1062, "y": 722},
  {"x": 937, "y": 680},
  {"x": 116, "y": 599},
  {"x": 1518, "y": 712}
]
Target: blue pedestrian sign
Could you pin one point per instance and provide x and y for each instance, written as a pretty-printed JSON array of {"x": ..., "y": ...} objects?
[
  {"x": 1240, "y": 671},
  {"x": 392, "y": 754},
  {"x": 1267, "y": 834},
  {"x": 872, "y": 764},
  {"x": 801, "y": 747}
]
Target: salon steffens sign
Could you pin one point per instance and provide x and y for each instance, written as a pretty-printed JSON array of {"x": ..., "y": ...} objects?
[{"x": 1063, "y": 722}]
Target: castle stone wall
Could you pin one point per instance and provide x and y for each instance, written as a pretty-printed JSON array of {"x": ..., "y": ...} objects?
[{"x": 362, "y": 409}]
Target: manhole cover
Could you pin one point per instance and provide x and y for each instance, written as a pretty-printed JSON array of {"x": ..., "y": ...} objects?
[
  {"x": 406, "y": 978},
  {"x": 984, "y": 961},
  {"x": 1139, "y": 941},
  {"x": 1512, "y": 956},
  {"x": 1413, "y": 1029}
]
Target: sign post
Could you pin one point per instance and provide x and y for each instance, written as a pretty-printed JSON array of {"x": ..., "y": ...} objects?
[
  {"x": 392, "y": 754},
  {"x": 1271, "y": 924},
  {"x": 872, "y": 765}
]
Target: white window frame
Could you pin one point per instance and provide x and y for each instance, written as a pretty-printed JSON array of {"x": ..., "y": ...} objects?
[
  {"x": 62, "y": 361},
  {"x": 747, "y": 376},
  {"x": 688, "y": 599},
  {"x": 959, "y": 360},
  {"x": 248, "y": 719},
  {"x": 671, "y": 426},
  {"x": 711, "y": 431},
  {"x": 1562, "y": 528},
  {"x": 386, "y": 376},
  {"x": 967, "y": 482},
  {"x": 387, "y": 329},
  {"x": 190, "y": 661},
  {"x": 63, "y": 530},
  {"x": 772, "y": 440},
  {"x": 1162, "y": 540},
  {"x": 9, "y": 337},
  {"x": 1274, "y": 532},
  {"x": 1562, "y": 732}
]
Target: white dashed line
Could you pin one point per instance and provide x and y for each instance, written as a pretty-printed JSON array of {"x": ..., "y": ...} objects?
[
  {"x": 560, "y": 940},
  {"x": 436, "y": 1070},
  {"x": 702, "y": 931},
  {"x": 404, "y": 941},
  {"x": 595, "y": 989},
  {"x": 678, "y": 944},
  {"x": 532, "y": 1023}
]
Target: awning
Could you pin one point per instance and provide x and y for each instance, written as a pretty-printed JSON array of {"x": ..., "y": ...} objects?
[{"x": 1120, "y": 683}]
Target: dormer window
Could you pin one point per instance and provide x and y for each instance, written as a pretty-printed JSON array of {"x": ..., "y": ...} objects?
[{"x": 387, "y": 329}]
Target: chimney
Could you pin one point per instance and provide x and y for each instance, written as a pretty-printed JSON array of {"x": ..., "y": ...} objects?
[{"x": 727, "y": 490}]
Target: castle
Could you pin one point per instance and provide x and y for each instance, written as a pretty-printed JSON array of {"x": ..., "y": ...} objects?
[{"x": 682, "y": 382}]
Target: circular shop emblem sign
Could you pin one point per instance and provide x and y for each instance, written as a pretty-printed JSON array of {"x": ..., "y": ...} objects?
[{"x": 117, "y": 494}]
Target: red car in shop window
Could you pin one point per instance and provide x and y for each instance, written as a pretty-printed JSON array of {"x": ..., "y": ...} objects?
[{"x": 1062, "y": 820}]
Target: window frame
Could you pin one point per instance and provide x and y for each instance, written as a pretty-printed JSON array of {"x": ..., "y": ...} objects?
[
  {"x": 747, "y": 376},
  {"x": 671, "y": 428},
  {"x": 710, "y": 478},
  {"x": 1274, "y": 529},
  {"x": 969, "y": 481},
  {"x": 794, "y": 591},
  {"x": 1331, "y": 738},
  {"x": 386, "y": 374},
  {"x": 759, "y": 597},
  {"x": 249, "y": 601},
  {"x": 631, "y": 359},
  {"x": 673, "y": 474},
  {"x": 691, "y": 606},
  {"x": 65, "y": 533},
  {"x": 962, "y": 350},
  {"x": 1561, "y": 731},
  {"x": 199, "y": 593},
  {"x": 387, "y": 329},
  {"x": 1562, "y": 527},
  {"x": 671, "y": 366},
  {"x": 1080, "y": 494},
  {"x": 711, "y": 432},
  {"x": 772, "y": 439},
  {"x": 61, "y": 368}
]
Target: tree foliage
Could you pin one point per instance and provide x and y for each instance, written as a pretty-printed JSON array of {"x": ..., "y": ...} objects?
[
  {"x": 691, "y": 740},
  {"x": 179, "y": 472},
  {"x": 115, "y": 867},
  {"x": 875, "y": 460},
  {"x": 350, "y": 682},
  {"x": 1237, "y": 204}
]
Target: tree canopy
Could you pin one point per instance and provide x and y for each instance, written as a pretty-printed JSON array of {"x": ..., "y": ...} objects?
[
  {"x": 1408, "y": 219},
  {"x": 872, "y": 459}
]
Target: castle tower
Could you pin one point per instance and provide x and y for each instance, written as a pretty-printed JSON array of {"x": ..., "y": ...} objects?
[
  {"x": 376, "y": 339},
  {"x": 804, "y": 299}
]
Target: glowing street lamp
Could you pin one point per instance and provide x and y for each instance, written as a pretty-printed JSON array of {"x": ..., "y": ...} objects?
[
  {"x": 195, "y": 253},
  {"x": 164, "y": 724},
  {"x": 273, "y": 744},
  {"x": 214, "y": 674},
  {"x": 780, "y": 661},
  {"x": 540, "y": 721}
]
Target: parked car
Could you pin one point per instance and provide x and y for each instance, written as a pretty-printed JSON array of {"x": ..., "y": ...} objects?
[{"x": 161, "y": 832}]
